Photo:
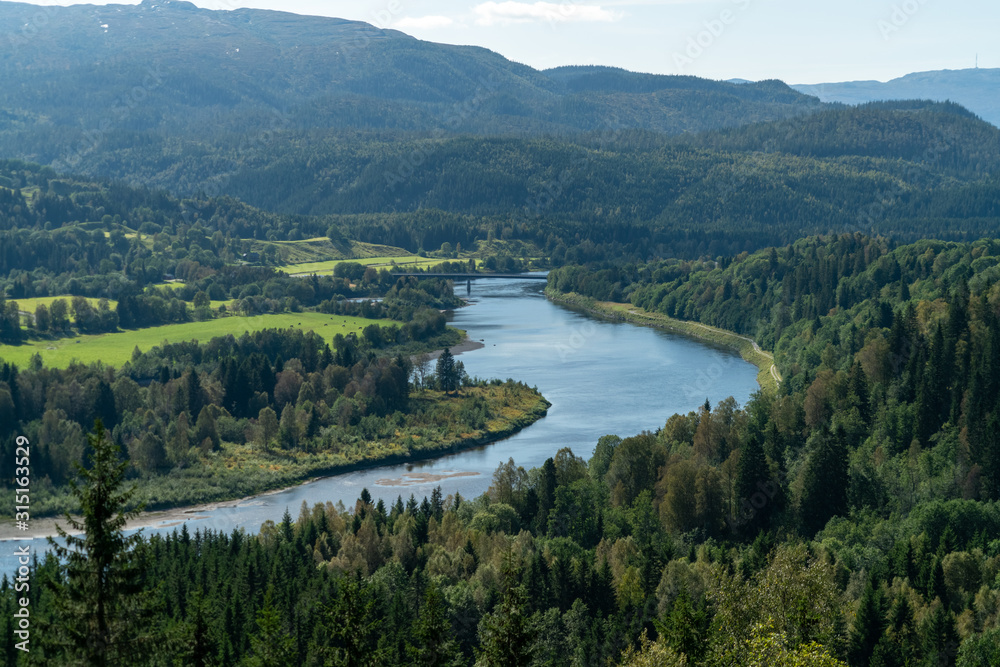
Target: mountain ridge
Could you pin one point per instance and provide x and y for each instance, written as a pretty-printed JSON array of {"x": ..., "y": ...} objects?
[{"x": 75, "y": 68}]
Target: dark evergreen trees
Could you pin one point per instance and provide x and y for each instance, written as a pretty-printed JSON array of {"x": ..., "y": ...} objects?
[
  {"x": 102, "y": 601},
  {"x": 869, "y": 625},
  {"x": 505, "y": 634},
  {"x": 824, "y": 489},
  {"x": 447, "y": 372},
  {"x": 755, "y": 490},
  {"x": 433, "y": 643}
]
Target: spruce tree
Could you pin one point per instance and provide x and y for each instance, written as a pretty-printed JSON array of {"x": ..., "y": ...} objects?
[
  {"x": 101, "y": 607},
  {"x": 755, "y": 491},
  {"x": 348, "y": 635},
  {"x": 505, "y": 634},
  {"x": 433, "y": 645},
  {"x": 192, "y": 392},
  {"x": 447, "y": 374},
  {"x": 684, "y": 628},
  {"x": 869, "y": 625},
  {"x": 824, "y": 491},
  {"x": 272, "y": 646},
  {"x": 199, "y": 647}
]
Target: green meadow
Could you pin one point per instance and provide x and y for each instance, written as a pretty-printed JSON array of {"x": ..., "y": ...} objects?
[
  {"x": 378, "y": 262},
  {"x": 116, "y": 348},
  {"x": 29, "y": 305},
  {"x": 321, "y": 249}
]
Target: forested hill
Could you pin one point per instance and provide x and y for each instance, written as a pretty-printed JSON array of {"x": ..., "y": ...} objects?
[
  {"x": 942, "y": 136},
  {"x": 411, "y": 143},
  {"x": 887, "y": 415},
  {"x": 905, "y": 170},
  {"x": 718, "y": 194}
]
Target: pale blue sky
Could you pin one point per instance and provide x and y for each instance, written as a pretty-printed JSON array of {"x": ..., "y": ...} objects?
[{"x": 799, "y": 41}]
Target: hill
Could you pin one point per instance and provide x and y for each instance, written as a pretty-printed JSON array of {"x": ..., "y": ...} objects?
[{"x": 972, "y": 88}]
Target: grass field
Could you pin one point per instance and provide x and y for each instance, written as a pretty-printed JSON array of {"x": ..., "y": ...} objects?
[
  {"x": 116, "y": 348},
  {"x": 29, "y": 305},
  {"x": 378, "y": 262},
  {"x": 320, "y": 249}
]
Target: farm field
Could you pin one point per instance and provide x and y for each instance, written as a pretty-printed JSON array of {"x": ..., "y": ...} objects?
[
  {"x": 29, "y": 305},
  {"x": 116, "y": 348},
  {"x": 379, "y": 262}
]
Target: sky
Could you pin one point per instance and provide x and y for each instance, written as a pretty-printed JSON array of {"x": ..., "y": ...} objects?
[{"x": 798, "y": 41}]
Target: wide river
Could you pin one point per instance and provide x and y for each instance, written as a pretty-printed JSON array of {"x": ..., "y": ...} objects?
[{"x": 601, "y": 377}]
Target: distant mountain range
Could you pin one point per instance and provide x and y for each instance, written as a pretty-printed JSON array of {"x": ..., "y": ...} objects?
[{"x": 976, "y": 89}]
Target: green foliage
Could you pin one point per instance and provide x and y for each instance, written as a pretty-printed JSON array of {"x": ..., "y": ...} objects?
[
  {"x": 433, "y": 638},
  {"x": 652, "y": 654}
]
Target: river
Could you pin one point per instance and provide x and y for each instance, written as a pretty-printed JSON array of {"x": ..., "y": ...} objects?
[{"x": 601, "y": 377}]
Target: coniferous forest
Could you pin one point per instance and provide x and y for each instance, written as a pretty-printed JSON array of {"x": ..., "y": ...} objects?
[{"x": 847, "y": 514}]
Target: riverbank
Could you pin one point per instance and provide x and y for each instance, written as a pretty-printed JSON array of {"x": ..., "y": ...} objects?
[
  {"x": 440, "y": 427},
  {"x": 168, "y": 518},
  {"x": 467, "y": 345},
  {"x": 768, "y": 376}
]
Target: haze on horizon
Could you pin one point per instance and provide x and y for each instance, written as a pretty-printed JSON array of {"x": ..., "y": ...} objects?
[{"x": 796, "y": 42}]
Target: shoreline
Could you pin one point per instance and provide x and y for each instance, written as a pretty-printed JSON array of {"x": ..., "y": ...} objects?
[
  {"x": 43, "y": 527},
  {"x": 467, "y": 345},
  {"x": 768, "y": 377}
]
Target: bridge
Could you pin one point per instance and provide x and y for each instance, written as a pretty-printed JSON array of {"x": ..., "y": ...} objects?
[{"x": 473, "y": 276}]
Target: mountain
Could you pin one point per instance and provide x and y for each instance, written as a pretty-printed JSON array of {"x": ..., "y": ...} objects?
[
  {"x": 977, "y": 89},
  {"x": 84, "y": 82}
]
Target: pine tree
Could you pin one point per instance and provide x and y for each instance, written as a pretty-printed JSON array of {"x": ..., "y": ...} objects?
[
  {"x": 272, "y": 646},
  {"x": 940, "y": 637},
  {"x": 103, "y": 404},
  {"x": 349, "y": 634},
  {"x": 200, "y": 647},
  {"x": 684, "y": 628},
  {"x": 100, "y": 602},
  {"x": 192, "y": 392},
  {"x": 546, "y": 494}
]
